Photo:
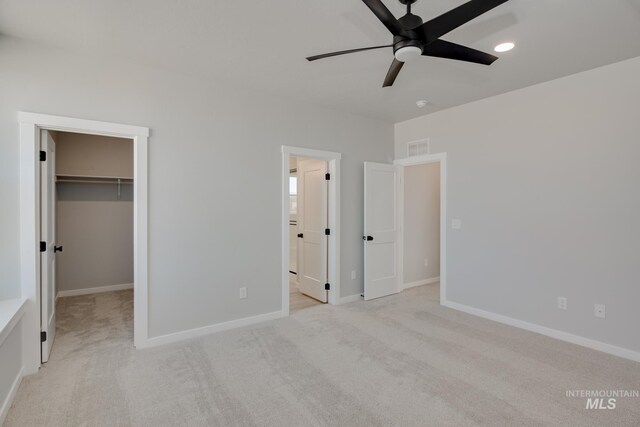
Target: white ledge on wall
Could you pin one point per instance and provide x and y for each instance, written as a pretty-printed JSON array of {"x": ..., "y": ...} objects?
[{"x": 10, "y": 312}]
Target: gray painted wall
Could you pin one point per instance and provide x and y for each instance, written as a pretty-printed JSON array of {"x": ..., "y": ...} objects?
[
  {"x": 545, "y": 180},
  {"x": 421, "y": 222},
  {"x": 93, "y": 155},
  {"x": 96, "y": 231},
  {"x": 214, "y": 175},
  {"x": 94, "y": 226}
]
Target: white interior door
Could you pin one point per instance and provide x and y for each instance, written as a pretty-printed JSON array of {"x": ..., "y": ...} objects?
[
  {"x": 381, "y": 226},
  {"x": 48, "y": 235},
  {"x": 312, "y": 222}
]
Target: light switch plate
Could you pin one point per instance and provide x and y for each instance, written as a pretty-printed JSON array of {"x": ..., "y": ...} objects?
[
  {"x": 456, "y": 223},
  {"x": 599, "y": 310}
]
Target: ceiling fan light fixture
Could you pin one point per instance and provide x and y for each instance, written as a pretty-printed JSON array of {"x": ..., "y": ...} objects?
[
  {"x": 504, "y": 47},
  {"x": 407, "y": 53},
  {"x": 412, "y": 37}
]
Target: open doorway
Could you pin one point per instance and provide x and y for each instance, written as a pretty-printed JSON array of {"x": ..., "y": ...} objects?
[
  {"x": 421, "y": 227},
  {"x": 423, "y": 212},
  {"x": 86, "y": 216},
  {"x": 310, "y": 228},
  {"x": 39, "y": 316},
  {"x": 308, "y": 220},
  {"x": 404, "y": 226}
]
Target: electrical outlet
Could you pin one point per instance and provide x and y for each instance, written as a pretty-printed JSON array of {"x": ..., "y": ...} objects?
[
  {"x": 354, "y": 275},
  {"x": 562, "y": 303},
  {"x": 599, "y": 310},
  {"x": 456, "y": 224},
  {"x": 426, "y": 262},
  {"x": 243, "y": 292}
]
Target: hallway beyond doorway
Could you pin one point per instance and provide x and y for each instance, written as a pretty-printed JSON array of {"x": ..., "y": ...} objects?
[{"x": 299, "y": 301}]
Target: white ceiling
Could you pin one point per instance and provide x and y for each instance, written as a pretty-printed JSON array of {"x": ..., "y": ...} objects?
[{"x": 263, "y": 44}]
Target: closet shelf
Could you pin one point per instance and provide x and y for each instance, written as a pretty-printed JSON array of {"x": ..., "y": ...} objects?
[{"x": 87, "y": 179}]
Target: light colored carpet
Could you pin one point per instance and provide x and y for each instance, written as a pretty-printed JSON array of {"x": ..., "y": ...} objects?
[{"x": 400, "y": 360}]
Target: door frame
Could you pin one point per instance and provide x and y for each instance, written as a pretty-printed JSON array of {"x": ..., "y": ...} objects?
[
  {"x": 423, "y": 160},
  {"x": 333, "y": 160},
  {"x": 30, "y": 126}
]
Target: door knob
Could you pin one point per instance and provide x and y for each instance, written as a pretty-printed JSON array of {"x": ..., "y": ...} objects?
[
  {"x": 57, "y": 249},
  {"x": 300, "y": 235},
  {"x": 367, "y": 238}
]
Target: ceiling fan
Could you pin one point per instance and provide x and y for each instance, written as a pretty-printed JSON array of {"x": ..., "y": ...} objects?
[{"x": 412, "y": 37}]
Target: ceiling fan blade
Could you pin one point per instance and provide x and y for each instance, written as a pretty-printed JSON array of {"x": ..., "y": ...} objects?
[
  {"x": 344, "y": 52},
  {"x": 393, "y": 72},
  {"x": 438, "y": 27},
  {"x": 385, "y": 16},
  {"x": 445, "y": 49}
]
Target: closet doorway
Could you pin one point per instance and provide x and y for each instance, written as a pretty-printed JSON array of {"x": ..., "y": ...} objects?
[
  {"x": 44, "y": 221},
  {"x": 92, "y": 248}
]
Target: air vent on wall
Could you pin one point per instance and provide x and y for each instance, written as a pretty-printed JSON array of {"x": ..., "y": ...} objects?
[{"x": 418, "y": 148}]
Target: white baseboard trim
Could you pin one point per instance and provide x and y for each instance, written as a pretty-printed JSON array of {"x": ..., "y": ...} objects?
[
  {"x": 543, "y": 330},
  {"x": 97, "y": 290},
  {"x": 350, "y": 298},
  {"x": 211, "y": 329},
  {"x": 421, "y": 282},
  {"x": 6, "y": 405}
]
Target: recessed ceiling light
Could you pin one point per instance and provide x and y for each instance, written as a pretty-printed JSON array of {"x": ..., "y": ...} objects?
[
  {"x": 422, "y": 103},
  {"x": 504, "y": 47}
]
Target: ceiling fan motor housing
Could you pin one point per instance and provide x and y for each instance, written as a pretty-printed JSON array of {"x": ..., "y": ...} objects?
[
  {"x": 409, "y": 37},
  {"x": 410, "y": 21},
  {"x": 400, "y": 42}
]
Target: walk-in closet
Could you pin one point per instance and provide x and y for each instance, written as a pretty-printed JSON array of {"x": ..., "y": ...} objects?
[{"x": 94, "y": 240}]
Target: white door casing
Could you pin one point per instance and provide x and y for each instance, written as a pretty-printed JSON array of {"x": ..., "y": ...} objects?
[
  {"x": 312, "y": 222},
  {"x": 48, "y": 235},
  {"x": 30, "y": 182},
  {"x": 381, "y": 230},
  {"x": 440, "y": 158}
]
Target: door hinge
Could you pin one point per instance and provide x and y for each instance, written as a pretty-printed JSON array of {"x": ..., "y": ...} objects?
[
  {"x": 327, "y": 232},
  {"x": 43, "y": 156},
  {"x": 43, "y": 336},
  {"x": 327, "y": 286},
  {"x": 43, "y": 246},
  {"x": 327, "y": 176}
]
